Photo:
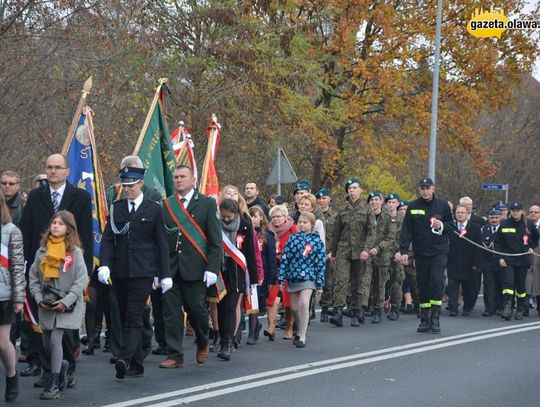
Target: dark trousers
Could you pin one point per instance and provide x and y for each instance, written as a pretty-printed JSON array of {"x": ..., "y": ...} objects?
[
  {"x": 157, "y": 314},
  {"x": 227, "y": 314},
  {"x": 468, "y": 291},
  {"x": 100, "y": 303},
  {"x": 493, "y": 290},
  {"x": 131, "y": 295},
  {"x": 430, "y": 277},
  {"x": 514, "y": 283},
  {"x": 188, "y": 296}
]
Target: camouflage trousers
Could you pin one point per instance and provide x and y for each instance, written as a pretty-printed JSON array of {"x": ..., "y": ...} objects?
[
  {"x": 327, "y": 296},
  {"x": 395, "y": 283},
  {"x": 351, "y": 275},
  {"x": 379, "y": 277}
]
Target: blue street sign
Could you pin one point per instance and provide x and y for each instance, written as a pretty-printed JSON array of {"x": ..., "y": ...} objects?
[{"x": 495, "y": 187}]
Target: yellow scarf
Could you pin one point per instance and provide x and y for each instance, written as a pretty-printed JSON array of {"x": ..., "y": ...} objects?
[{"x": 55, "y": 254}]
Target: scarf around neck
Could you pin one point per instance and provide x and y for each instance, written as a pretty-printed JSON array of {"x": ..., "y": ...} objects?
[
  {"x": 231, "y": 229},
  {"x": 54, "y": 255},
  {"x": 283, "y": 228}
]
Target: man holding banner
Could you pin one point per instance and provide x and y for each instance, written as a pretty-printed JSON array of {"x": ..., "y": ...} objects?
[{"x": 194, "y": 236}]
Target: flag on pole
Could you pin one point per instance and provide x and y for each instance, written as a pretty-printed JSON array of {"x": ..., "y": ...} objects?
[
  {"x": 184, "y": 148},
  {"x": 209, "y": 184},
  {"x": 154, "y": 147},
  {"x": 85, "y": 173}
]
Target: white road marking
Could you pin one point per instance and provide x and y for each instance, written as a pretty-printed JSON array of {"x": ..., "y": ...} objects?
[{"x": 322, "y": 367}]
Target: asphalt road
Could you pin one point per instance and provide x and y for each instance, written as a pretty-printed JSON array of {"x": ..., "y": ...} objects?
[{"x": 475, "y": 361}]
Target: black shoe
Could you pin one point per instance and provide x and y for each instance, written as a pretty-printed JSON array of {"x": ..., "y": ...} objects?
[
  {"x": 62, "y": 377},
  {"x": 84, "y": 340},
  {"x": 12, "y": 387},
  {"x": 71, "y": 381},
  {"x": 300, "y": 344},
  {"x": 377, "y": 314},
  {"x": 31, "y": 370},
  {"x": 337, "y": 319},
  {"x": 132, "y": 372},
  {"x": 295, "y": 340},
  {"x": 519, "y": 315},
  {"x": 434, "y": 325},
  {"x": 121, "y": 369},
  {"x": 225, "y": 348},
  {"x": 394, "y": 313},
  {"x": 487, "y": 314},
  {"x": 424, "y": 321},
  {"x": 507, "y": 310},
  {"x": 43, "y": 380},
  {"x": 160, "y": 350},
  {"x": 453, "y": 313},
  {"x": 90, "y": 349},
  {"x": 214, "y": 346},
  {"x": 52, "y": 391},
  {"x": 324, "y": 315},
  {"x": 347, "y": 312},
  {"x": 466, "y": 313},
  {"x": 113, "y": 360},
  {"x": 355, "y": 322}
]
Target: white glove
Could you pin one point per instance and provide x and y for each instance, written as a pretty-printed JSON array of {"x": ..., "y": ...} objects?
[
  {"x": 104, "y": 274},
  {"x": 209, "y": 278},
  {"x": 155, "y": 283},
  {"x": 166, "y": 284}
]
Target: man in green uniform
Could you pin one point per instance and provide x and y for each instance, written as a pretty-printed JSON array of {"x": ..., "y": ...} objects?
[
  {"x": 397, "y": 274},
  {"x": 353, "y": 235},
  {"x": 327, "y": 297},
  {"x": 195, "y": 249},
  {"x": 379, "y": 259}
]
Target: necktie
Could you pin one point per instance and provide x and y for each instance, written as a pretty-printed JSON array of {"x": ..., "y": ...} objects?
[
  {"x": 461, "y": 227},
  {"x": 55, "y": 201},
  {"x": 184, "y": 200},
  {"x": 132, "y": 210},
  {"x": 493, "y": 230}
]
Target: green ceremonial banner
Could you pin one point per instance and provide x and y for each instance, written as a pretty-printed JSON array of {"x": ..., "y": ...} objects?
[{"x": 157, "y": 154}]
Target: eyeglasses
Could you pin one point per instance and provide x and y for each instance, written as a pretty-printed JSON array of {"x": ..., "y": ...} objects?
[
  {"x": 54, "y": 167},
  {"x": 9, "y": 183}
]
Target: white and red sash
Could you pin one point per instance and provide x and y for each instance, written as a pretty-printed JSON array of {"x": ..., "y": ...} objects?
[{"x": 4, "y": 256}]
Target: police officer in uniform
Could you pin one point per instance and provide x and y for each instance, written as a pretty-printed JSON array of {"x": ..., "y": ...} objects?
[
  {"x": 427, "y": 223},
  {"x": 489, "y": 265},
  {"x": 134, "y": 251},
  {"x": 327, "y": 297},
  {"x": 379, "y": 257},
  {"x": 354, "y": 234}
]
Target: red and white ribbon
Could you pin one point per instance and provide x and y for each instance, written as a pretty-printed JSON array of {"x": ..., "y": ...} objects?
[{"x": 4, "y": 256}]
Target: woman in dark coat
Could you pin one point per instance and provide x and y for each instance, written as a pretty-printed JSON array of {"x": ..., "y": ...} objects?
[{"x": 462, "y": 266}]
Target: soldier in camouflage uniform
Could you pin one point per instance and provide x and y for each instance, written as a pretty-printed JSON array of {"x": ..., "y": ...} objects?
[
  {"x": 397, "y": 274},
  {"x": 327, "y": 297},
  {"x": 353, "y": 235},
  {"x": 379, "y": 259}
]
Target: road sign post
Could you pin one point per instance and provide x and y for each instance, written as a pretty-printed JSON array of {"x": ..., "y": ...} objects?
[
  {"x": 282, "y": 171},
  {"x": 497, "y": 187}
]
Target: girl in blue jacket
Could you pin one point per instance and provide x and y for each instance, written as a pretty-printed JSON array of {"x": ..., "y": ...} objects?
[{"x": 303, "y": 264}]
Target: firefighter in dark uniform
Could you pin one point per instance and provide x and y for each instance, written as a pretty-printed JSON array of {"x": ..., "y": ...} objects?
[
  {"x": 427, "y": 222},
  {"x": 515, "y": 235},
  {"x": 134, "y": 252},
  {"x": 489, "y": 265}
]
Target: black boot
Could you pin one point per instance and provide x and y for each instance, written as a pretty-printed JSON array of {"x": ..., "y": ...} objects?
[
  {"x": 214, "y": 346},
  {"x": 362, "y": 315},
  {"x": 424, "y": 321},
  {"x": 337, "y": 319},
  {"x": 377, "y": 314},
  {"x": 226, "y": 348},
  {"x": 12, "y": 387},
  {"x": 394, "y": 313},
  {"x": 324, "y": 314},
  {"x": 52, "y": 390},
  {"x": 91, "y": 346},
  {"x": 519, "y": 311},
  {"x": 507, "y": 310},
  {"x": 434, "y": 324},
  {"x": 355, "y": 322}
]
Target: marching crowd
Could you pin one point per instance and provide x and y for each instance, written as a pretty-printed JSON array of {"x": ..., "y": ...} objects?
[{"x": 199, "y": 267}]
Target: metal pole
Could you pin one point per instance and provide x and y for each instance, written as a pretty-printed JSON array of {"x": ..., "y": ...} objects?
[
  {"x": 506, "y": 194},
  {"x": 279, "y": 170},
  {"x": 435, "y": 95}
]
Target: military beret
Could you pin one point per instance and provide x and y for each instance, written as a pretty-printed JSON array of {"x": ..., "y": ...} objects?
[
  {"x": 391, "y": 195},
  {"x": 373, "y": 194},
  {"x": 322, "y": 192},
  {"x": 351, "y": 181},
  {"x": 302, "y": 185},
  {"x": 131, "y": 175},
  {"x": 403, "y": 203}
]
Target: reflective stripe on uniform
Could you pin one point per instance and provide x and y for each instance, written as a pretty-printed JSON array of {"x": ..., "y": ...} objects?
[
  {"x": 435, "y": 302},
  {"x": 425, "y": 305},
  {"x": 508, "y": 230},
  {"x": 522, "y": 295},
  {"x": 418, "y": 212},
  {"x": 508, "y": 291}
]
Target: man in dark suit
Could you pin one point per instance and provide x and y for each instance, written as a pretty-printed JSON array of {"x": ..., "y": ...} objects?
[
  {"x": 41, "y": 205},
  {"x": 194, "y": 235},
  {"x": 134, "y": 253},
  {"x": 489, "y": 264},
  {"x": 462, "y": 266}
]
